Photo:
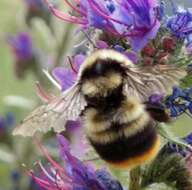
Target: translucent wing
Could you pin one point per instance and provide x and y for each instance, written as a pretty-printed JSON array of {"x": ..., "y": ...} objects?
[
  {"x": 145, "y": 81},
  {"x": 55, "y": 114}
]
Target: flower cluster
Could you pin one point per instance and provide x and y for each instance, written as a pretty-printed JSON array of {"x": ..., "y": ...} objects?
[
  {"x": 180, "y": 24},
  {"x": 160, "y": 53},
  {"x": 75, "y": 174},
  {"x": 184, "y": 152},
  {"x": 135, "y": 21},
  {"x": 180, "y": 101},
  {"x": 173, "y": 165}
]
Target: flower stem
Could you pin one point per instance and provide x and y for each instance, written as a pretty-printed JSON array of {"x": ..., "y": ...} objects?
[
  {"x": 135, "y": 175},
  {"x": 63, "y": 45}
]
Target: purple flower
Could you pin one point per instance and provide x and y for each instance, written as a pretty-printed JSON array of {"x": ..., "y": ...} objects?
[
  {"x": 67, "y": 76},
  {"x": 180, "y": 101},
  {"x": 74, "y": 176},
  {"x": 160, "y": 10},
  {"x": 6, "y": 123},
  {"x": 180, "y": 24},
  {"x": 77, "y": 136},
  {"x": 135, "y": 20},
  {"x": 37, "y": 9},
  {"x": 25, "y": 56},
  {"x": 156, "y": 98},
  {"x": 10, "y": 119},
  {"x": 100, "y": 44},
  {"x": 15, "y": 176},
  {"x": 184, "y": 152},
  {"x": 104, "y": 177},
  {"x": 21, "y": 45},
  {"x": 2, "y": 126},
  {"x": 35, "y": 4}
]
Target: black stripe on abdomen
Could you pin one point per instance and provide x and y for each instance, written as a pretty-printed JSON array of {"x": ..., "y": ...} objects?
[{"x": 127, "y": 147}]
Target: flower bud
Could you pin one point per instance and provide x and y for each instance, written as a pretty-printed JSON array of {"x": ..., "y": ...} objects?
[{"x": 168, "y": 44}]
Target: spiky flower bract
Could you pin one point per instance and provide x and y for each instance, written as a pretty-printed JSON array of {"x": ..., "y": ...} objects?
[{"x": 172, "y": 166}]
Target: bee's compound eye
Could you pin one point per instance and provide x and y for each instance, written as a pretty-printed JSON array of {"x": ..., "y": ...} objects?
[{"x": 99, "y": 68}]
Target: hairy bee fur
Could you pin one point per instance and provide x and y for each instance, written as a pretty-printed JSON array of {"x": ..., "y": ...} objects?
[
  {"x": 118, "y": 127},
  {"x": 111, "y": 94}
]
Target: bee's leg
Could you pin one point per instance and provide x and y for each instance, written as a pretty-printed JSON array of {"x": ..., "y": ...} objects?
[{"x": 158, "y": 112}]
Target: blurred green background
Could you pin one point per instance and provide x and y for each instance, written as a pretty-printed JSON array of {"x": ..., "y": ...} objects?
[{"x": 10, "y": 17}]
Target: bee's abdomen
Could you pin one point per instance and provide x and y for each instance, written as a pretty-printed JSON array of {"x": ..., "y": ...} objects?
[{"x": 123, "y": 149}]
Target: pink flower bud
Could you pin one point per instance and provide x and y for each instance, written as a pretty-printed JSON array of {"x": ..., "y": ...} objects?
[
  {"x": 168, "y": 44},
  {"x": 148, "y": 50}
]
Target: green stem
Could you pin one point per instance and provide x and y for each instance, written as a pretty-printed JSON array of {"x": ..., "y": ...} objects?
[
  {"x": 63, "y": 45},
  {"x": 164, "y": 132},
  {"x": 135, "y": 175}
]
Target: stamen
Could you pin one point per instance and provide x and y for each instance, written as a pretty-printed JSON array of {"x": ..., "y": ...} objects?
[
  {"x": 45, "y": 172},
  {"x": 65, "y": 17},
  {"x": 38, "y": 180},
  {"x": 56, "y": 181},
  {"x": 75, "y": 8},
  {"x": 44, "y": 151},
  {"x": 45, "y": 97}
]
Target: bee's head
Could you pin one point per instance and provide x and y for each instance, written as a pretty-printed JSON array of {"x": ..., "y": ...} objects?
[{"x": 102, "y": 73}]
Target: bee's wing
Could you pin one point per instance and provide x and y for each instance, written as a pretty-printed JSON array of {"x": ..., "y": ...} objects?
[
  {"x": 145, "y": 81},
  {"x": 67, "y": 106}
]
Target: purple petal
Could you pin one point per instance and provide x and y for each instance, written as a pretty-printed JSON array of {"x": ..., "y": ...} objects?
[
  {"x": 78, "y": 60},
  {"x": 63, "y": 143},
  {"x": 139, "y": 42},
  {"x": 78, "y": 140},
  {"x": 188, "y": 138},
  {"x": 156, "y": 98},
  {"x": 2, "y": 123},
  {"x": 64, "y": 76},
  {"x": 190, "y": 107},
  {"x": 101, "y": 44},
  {"x": 21, "y": 45}
]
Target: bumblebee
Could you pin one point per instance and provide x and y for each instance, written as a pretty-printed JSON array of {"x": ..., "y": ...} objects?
[{"x": 110, "y": 96}]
